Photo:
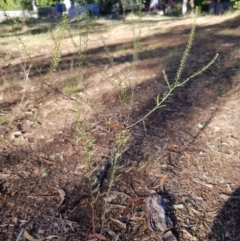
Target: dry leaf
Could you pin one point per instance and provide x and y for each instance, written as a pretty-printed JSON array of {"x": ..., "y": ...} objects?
[
  {"x": 81, "y": 166},
  {"x": 29, "y": 237},
  {"x": 195, "y": 211},
  {"x": 121, "y": 194},
  {"x": 62, "y": 196},
  {"x": 52, "y": 237},
  {"x": 137, "y": 199},
  {"x": 178, "y": 206},
  {"x": 162, "y": 180},
  {"x": 97, "y": 235},
  {"x": 202, "y": 183},
  {"x": 116, "y": 127},
  {"x": 110, "y": 232},
  {"x": 125, "y": 169},
  {"x": 134, "y": 218},
  {"x": 110, "y": 198},
  {"x": 114, "y": 206},
  {"x": 3, "y": 176},
  {"x": 111, "y": 206},
  {"x": 186, "y": 233},
  {"x": 122, "y": 225}
]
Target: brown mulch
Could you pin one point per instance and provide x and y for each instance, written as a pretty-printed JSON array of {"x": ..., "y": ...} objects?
[{"x": 188, "y": 151}]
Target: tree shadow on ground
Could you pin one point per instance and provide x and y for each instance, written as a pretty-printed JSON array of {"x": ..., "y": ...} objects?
[
  {"x": 171, "y": 202},
  {"x": 193, "y": 92},
  {"x": 227, "y": 223},
  {"x": 96, "y": 54},
  {"x": 41, "y": 26},
  {"x": 219, "y": 88}
]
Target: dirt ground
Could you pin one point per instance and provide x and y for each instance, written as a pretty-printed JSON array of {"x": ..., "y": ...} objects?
[{"x": 188, "y": 151}]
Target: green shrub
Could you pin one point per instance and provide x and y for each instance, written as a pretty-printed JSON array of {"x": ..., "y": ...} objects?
[
  {"x": 236, "y": 5},
  {"x": 25, "y": 4},
  {"x": 177, "y": 11}
]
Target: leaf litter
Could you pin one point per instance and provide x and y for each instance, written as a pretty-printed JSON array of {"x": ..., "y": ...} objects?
[{"x": 167, "y": 171}]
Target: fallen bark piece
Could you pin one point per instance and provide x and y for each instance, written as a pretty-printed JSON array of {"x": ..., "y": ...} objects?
[
  {"x": 168, "y": 236},
  {"x": 158, "y": 214},
  {"x": 102, "y": 176}
]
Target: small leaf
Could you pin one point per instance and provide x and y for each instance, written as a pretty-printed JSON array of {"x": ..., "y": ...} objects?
[
  {"x": 200, "y": 125},
  {"x": 121, "y": 224}
]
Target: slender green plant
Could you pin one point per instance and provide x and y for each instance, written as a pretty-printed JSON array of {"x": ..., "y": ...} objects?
[
  {"x": 56, "y": 56},
  {"x": 88, "y": 144},
  {"x": 178, "y": 82},
  {"x": 195, "y": 231},
  {"x": 121, "y": 139},
  {"x": 85, "y": 24},
  {"x": 121, "y": 82}
]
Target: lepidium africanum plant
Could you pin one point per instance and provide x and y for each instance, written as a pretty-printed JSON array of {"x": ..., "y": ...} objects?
[
  {"x": 83, "y": 128},
  {"x": 178, "y": 82}
]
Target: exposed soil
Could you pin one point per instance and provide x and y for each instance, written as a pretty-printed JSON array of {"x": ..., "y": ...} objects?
[{"x": 188, "y": 151}]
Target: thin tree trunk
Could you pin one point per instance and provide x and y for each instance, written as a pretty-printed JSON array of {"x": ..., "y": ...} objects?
[
  {"x": 184, "y": 7},
  {"x": 192, "y": 6}
]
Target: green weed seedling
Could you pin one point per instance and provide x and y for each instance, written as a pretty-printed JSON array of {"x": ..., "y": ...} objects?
[
  {"x": 194, "y": 231},
  {"x": 4, "y": 119}
]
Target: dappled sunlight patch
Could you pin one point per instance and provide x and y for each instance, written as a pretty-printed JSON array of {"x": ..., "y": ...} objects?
[{"x": 229, "y": 32}]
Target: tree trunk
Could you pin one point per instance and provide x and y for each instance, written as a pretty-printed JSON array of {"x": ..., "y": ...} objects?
[
  {"x": 184, "y": 7},
  {"x": 192, "y": 7}
]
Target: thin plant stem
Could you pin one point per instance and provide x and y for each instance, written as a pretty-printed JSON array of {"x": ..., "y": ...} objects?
[{"x": 169, "y": 93}]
